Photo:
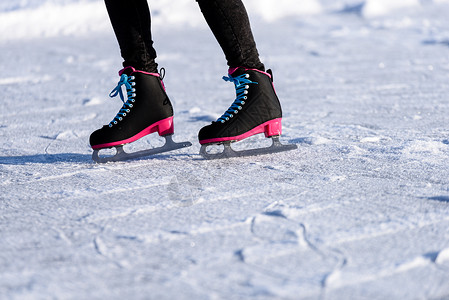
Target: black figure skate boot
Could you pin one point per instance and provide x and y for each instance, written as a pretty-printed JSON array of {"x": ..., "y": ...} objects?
[
  {"x": 255, "y": 110},
  {"x": 147, "y": 109}
]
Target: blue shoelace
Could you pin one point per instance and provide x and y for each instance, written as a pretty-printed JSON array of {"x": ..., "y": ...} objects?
[
  {"x": 128, "y": 82},
  {"x": 241, "y": 86}
]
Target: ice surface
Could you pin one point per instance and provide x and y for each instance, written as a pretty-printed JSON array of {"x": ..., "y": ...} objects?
[{"x": 359, "y": 211}]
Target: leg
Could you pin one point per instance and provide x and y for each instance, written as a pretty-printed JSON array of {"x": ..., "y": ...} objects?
[
  {"x": 256, "y": 108},
  {"x": 132, "y": 26},
  {"x": 146, "y": 107},
  {"x": 229, "y": 22}
]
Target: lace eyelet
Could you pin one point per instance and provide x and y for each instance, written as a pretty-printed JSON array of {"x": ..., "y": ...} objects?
[{"x": 128, "y": 110}]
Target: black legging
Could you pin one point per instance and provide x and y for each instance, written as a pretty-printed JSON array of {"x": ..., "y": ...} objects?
[{"x": 227, "y": 19}]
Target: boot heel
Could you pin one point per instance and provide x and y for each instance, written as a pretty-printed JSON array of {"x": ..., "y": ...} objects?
[
  {"x": 273, "y": 128},
  {"x": 165, "y": 127}
]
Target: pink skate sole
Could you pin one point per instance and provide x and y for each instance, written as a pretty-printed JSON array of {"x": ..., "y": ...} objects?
[
  {"x": 163, "y": 127},
  {"x": 270, "y": 128}
]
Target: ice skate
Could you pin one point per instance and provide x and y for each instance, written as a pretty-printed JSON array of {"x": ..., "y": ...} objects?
[
  {"x": 255, "y": 110},
  {"x": 147, "y": 109}
]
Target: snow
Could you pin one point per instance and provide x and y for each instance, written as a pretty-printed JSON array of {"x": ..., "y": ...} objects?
[
  {"x": 359, "y": 211},
  {"x": 381, "y": 7}
]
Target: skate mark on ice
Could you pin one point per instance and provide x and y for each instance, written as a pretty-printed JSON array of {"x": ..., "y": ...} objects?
[
  {"x": 46, "y": 111},
  {"x": 240, "y": 256},
  {"x": 440, "y": 198},
  {"x": 49, "y": 137},
  {"x": 310, "y": 140},
  {"x": 373, "y": 128},
  {"x": 382, "y": 232},
  {"x": 329, "y": 278},
  {"x": 432, "y": 256},
  {"x": 394, "y": 86},
  {"x": 324, "y": 251},
  {"x": 125, "y": 213},
  {"x": 275, "y": 227},
  {"x": 17, "y": 80},
  {"x": 275, "y": 213},
  {"x": 92, "y": 101},
  {"x": 46, "y": 159},
  {"x": 280, "y": 240},
  {"x": 342, "y": 279},
  {"x": 157, "y": 236},
  {"x": 118, "y": 213},
  {"x": 352, "y": 9},
  {"x": 103, "y": 250},
  {"x": 432, "y": 42},
  {"x": 133, "y": 211},
  {"x": 185, "y": 190}
]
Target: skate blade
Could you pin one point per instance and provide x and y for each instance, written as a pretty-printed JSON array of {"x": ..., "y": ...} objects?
[
  {"x": 228, "y": 152},
  {"x": 121, "y": 155}
]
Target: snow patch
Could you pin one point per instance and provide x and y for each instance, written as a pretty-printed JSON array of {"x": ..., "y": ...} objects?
[
  {"x": 51, "y": 20},
  {"x": 22, "y": 19},
  {"x": 275, "y": 10},
  {"x": 93, "y": 101},
  {"x": 66, "y": 135},
  {"x": 421, "y": 147},
  {"x": 340, "y": 278},
  {"x": 375, "y": 8},
  {"x": 194, "y": 110},
  {"x": 418, "y": 262},
  {"x": 371, "y": 139},
  {"x": 337, "y": 178},
  {"x": 443, "y": 256}
]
